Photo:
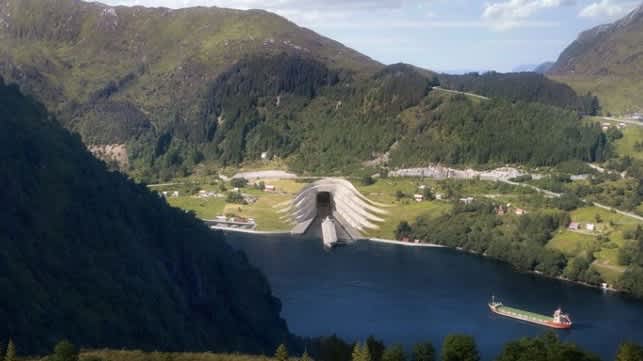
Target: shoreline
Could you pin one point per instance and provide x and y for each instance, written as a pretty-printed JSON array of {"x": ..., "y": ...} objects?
[
  {"x": 250, "y": 231},
  {"x": 407, "y": 244},
  {"x": 435, "y": 245}
]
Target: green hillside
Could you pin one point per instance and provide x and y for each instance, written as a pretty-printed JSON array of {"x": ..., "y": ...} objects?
[
  {"x": 90, "y": 256},
  {"x": 179, "y": 88},
  {"x": 607, "y": 61}
]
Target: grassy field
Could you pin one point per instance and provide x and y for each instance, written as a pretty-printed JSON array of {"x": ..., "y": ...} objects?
[
  {"x": 603, "y": 243},
  {"x": 405, "y": 209},
  {"x": 625, "y": 145},
  {"x": 263, "y": 210},
  {"x": 617, "y": 95},
  {"x": 204, "y": 208}
]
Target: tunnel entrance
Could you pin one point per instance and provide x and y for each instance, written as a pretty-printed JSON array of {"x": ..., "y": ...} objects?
[{"x": 324, "y": 204}]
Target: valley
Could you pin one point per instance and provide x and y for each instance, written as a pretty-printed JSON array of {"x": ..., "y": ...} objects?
[{"x": 210, "y": 184}]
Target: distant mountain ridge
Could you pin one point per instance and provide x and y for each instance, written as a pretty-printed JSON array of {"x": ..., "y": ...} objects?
[{"x": 607, "y": 60}]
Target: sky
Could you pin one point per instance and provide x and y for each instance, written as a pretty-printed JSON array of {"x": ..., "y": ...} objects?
[{"x": 441, "y": 35}]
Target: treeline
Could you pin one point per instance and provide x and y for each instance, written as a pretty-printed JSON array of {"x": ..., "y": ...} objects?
[
  {"x": 455, "y": 347},
  {"x": 458, "y": 130},
  {"x": 519, "y": 241},
  {"x": 631, "y": 255},
  {"x": 523, "y": 87},
  {"x": 327, "y": 121}
]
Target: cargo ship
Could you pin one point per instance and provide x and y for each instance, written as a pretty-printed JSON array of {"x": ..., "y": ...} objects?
[{"x": 558, "y": 320}]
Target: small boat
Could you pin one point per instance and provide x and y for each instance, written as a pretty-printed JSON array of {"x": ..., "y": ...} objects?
[
  {"x": 558, "y": 320},
  {"x": 329, "y": 234}
]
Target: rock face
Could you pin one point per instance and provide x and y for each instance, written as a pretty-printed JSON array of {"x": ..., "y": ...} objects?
[
  {"x": 607, "y": 61},
  {"x": 338, "y": 199},
  {"x": 87, "y": 255},
  {"x": 611, "y": 49}
]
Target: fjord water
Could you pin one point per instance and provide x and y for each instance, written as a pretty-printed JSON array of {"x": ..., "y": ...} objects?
[{"x": 407, "y": 294}]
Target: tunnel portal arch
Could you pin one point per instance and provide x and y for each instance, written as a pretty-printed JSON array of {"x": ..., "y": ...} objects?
[{"x": 338, "y": 199}]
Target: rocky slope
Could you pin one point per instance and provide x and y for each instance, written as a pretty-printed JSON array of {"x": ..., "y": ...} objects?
[
  {"x": 90, "y": 256},
  {"x": 607, "y": 60}
]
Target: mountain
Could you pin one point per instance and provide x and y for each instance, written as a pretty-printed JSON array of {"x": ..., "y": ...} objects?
[
  {"x": 160, "y": 91},
  {"x": 524, "y": 68},
  {"x": 608, "y": 61},
  {"x": 544, "y": 67},
  {"x": 117, "y": 74},
  {"x": 90, "y": 256}
]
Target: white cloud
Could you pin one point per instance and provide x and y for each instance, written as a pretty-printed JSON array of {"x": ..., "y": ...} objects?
[
  {"x": 608, "y": 9},
  {"x": 515, "y": 13}
]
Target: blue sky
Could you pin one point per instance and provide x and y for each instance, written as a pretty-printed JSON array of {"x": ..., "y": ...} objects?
[{"x": 443, "y": 35}]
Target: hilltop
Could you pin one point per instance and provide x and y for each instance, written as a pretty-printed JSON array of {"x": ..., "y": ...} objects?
[
  {"x": 160, "y": 92},
  {"x": 608, "y": 61},
  {"x": 114, "y": 74},
  {"x": 91, "y": 256}
]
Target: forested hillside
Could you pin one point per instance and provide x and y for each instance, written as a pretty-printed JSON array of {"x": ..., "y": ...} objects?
[
  {"x": 90, "y": 256},
  {"x": 173, "y": 89},
  {"x": 525, "y": 87},
  {"x": 459, "y": 130}
]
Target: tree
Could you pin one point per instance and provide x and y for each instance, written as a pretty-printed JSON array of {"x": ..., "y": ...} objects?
[
  {"x": 306, "y": 357},
  {"x": 399, "y": 194},
  {"x": 424, "y": 351},
  {"x": 375, "y": 348},
  {"x": 367, "y": 180},
  {"x": 628, "y": 351},
  {"x": 427, "y": 194},
  {"x": 459, "y": 348},
  {"x": 64, "y": 351},
  {"x": 403, "y": 230},
  {"x": 544, "y": 348},
  {"x": 394, "y": 353},
  {"x": 282, "y": 353},
  {"x": 360, "y": 353},
  {"x": 11, "y": 351},
  {"x": 239, "y": 182}
]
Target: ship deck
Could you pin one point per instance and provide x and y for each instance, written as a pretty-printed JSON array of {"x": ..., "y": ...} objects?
[{"x": 516, "y": 311}]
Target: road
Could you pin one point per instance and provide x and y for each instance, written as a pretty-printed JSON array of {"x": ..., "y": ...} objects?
[
  {"x": 459, "y": 92},
  {"x": 596, "y": 204},
  {"x": 626, "y": 121}
]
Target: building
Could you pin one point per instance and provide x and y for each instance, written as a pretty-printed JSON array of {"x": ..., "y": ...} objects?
[
  {"x": 574, "y": 226},
  {"x": 467, "y": 200},
  {"x": 590, "y": 227},
  {"x": 175, "y": 194},
  {"x": 500, "y": 210},
  {"x": 520, "y": 211},
  {"x": 439, "y": 196},
  {"x": 270, "y": 188},
  {"x": 418, "y": 197}
]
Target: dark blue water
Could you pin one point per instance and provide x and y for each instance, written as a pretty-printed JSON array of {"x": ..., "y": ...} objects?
[{"x": 406, "y": 294}]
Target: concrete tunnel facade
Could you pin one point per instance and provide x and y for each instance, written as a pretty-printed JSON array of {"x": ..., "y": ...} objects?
[{"x": 338, "y": 199}]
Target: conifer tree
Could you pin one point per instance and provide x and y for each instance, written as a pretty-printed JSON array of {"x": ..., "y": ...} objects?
[
  {"x": 306, "y": 357},
  {"x": 282, "y": 353},
  {"x": 11, "y": 352},
  {"x": 361, "y": 352}
]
